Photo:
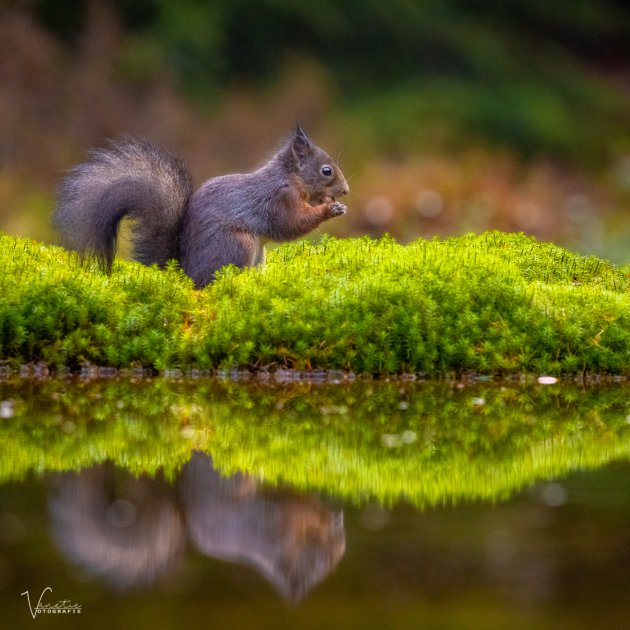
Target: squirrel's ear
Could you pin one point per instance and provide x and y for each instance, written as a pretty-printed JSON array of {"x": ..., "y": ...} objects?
[{"x": 301, "y": 146}]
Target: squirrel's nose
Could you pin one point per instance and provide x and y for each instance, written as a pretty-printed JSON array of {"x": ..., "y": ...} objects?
[{"x": 345, "y": 190}]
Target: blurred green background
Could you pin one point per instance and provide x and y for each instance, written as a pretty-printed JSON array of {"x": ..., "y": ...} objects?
[{"x": 447, "y": 116}]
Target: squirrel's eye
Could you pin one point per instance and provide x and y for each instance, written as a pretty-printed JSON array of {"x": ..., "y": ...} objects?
[{"x": 326, "y": 170}]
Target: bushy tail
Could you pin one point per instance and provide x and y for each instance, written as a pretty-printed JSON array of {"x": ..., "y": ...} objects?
[{"x": 133, "y": 178}]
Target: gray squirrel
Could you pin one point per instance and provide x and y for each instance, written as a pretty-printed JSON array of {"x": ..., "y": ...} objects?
[{"x": 225, "y": 221}]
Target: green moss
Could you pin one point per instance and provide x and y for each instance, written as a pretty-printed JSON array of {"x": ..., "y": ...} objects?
[
  {"x": 426, "y": 443},
  {"x": 494, "y": 303}
]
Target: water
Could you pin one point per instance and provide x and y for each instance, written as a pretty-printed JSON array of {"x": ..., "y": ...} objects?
[{"x": 165, "y": 503}]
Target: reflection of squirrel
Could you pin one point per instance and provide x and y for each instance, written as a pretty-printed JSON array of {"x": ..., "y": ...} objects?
[
  {"x": 226, "y": 221},
  {"x": 128, "y": 529}
]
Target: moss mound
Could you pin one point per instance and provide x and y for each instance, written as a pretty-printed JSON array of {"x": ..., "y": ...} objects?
[{"x": 493, "y": 303}]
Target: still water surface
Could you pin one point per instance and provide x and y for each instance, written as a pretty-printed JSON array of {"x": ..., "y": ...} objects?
[{"x": 215, "y": 504}]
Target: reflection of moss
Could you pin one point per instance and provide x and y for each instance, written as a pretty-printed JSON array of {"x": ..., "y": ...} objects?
[
  {"x": 426, "y": 443},
  {"x": 489, "y": 303}
]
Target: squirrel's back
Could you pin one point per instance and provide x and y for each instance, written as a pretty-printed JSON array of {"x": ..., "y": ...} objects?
[{"x": 132, "y": 177}]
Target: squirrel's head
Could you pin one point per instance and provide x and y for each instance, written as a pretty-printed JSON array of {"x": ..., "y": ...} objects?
[{"x": 321, "y": 175}]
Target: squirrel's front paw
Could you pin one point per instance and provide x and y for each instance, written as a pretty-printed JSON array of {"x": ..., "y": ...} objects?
[{"x": 337, "y": 209}]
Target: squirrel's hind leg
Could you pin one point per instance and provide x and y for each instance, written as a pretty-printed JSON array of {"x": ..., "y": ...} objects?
[{"x": 224, "y": 248}]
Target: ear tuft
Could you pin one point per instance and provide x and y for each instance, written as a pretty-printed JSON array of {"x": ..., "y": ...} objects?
[{"x": 301, "y": 145}]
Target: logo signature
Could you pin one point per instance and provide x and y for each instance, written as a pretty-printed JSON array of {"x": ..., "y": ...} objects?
[{"x": 62, "y": 607}]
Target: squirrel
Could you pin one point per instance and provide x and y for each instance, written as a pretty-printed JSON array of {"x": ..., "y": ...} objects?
[{"x": 227, "y": 220}]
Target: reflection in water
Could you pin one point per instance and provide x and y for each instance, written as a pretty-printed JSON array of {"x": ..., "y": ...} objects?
[
  {"x": 294, "y": 541},
  {"x": 470, "y": 441},
  {"x": 129, "y": 530},
  {"x": 556, "y": 555},
  {"x": 124, "y": 529}
]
